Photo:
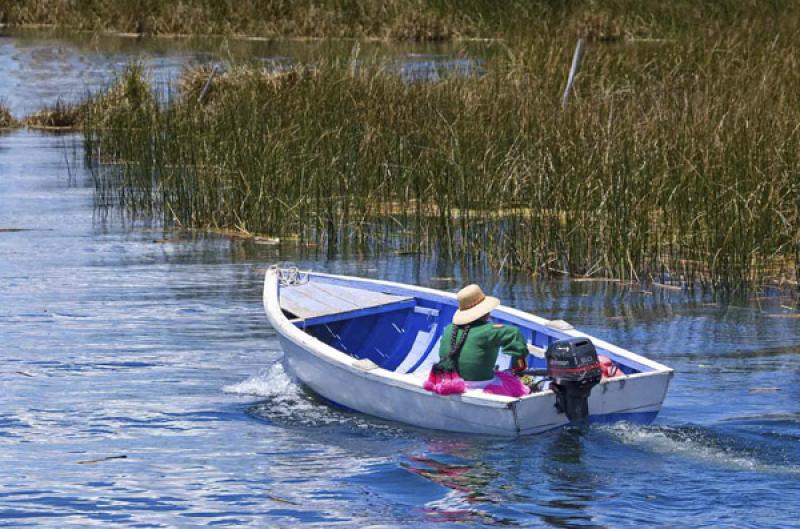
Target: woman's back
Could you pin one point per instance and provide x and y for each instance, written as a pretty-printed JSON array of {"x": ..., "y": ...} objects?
[{"x": 478, "y": 355}]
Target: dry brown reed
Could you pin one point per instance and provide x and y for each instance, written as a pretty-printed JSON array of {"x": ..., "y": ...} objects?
[
  {"x": 7, "y": 119},
  {"x": 58, "y": 116},
  {"x": 395, "y": 19}
]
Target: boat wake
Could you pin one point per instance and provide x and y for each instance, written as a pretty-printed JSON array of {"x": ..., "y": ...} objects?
[
  {"x": 270, "y": 382},
  {"x": 287, "y": 402},
  {"x": 283, "y": 399},
  {"x": 704, "y": 445}
]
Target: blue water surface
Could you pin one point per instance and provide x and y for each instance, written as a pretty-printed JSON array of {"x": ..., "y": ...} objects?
[{"x": 140, "y": 386}]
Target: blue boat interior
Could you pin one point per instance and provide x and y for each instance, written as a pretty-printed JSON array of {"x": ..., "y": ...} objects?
[{"x": 403, "y": 333}]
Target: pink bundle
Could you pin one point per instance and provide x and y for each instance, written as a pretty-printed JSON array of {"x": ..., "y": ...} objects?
[
  {"x": 507, "y": 384},
  {"x": 445, "y": 383},
  {"x": 449, "y": 382},
  {"x": 609, "y": 368}
]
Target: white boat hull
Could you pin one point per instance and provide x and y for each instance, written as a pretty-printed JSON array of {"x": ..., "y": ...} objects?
[{"x": 400, "y": 397}]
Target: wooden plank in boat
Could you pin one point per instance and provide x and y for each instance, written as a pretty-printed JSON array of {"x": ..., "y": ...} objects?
[{"x": 313, "y": 300}]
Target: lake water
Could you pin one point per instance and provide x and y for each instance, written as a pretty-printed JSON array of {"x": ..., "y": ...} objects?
[{"x": 140, "y": 384}]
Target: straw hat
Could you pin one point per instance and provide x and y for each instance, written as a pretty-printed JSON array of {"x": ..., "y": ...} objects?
[{"x": 473, "y": 304}]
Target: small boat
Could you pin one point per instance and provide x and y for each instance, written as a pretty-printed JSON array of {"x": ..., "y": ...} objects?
[{"x": 368, "y": 346}]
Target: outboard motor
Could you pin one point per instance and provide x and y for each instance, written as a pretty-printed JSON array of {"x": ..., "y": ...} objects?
[{"x": 573, "y": 366}]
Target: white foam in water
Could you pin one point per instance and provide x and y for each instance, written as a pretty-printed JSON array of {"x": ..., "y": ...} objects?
[
  {"x": 272, "y": 382},
  {"x": 691, "y": 443},
  {"x": 285, "y": 400}
]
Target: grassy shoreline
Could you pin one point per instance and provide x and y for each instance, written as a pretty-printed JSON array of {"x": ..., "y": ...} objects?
[
  {"x": 398, "y": 20},
  {"x": 234, "y": 36}
]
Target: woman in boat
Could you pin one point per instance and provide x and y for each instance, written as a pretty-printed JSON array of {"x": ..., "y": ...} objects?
[{"x": 470, "y": 345}]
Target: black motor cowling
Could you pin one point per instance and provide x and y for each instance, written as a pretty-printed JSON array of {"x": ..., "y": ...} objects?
[{"x": 573, "y": 366}]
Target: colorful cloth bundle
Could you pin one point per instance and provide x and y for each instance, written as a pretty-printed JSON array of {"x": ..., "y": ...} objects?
[
  {"x": 449, "y": 382},
  {"x": 445, "y": 382},
  {"x": 507, "y": 384}
]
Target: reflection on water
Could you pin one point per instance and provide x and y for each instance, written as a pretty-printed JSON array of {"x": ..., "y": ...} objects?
[
  {"x": 466, "y": 479},
  {"x": 569, "y": 475},
  {"x": 461, "y": 478},
  {"x": 129, "y": 340}
]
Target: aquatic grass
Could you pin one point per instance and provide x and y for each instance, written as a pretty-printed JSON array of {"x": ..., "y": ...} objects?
[
  {"x": 418, "y": 20},
  {"x": 58, "y": 116},
  {"x": 414, "y": 20},
  {"x": 673, "y": 163},
  {"x": 7, "y": 119}
]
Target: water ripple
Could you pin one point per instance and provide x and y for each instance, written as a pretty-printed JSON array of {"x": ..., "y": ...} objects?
[{"x": 141, "y": 385}]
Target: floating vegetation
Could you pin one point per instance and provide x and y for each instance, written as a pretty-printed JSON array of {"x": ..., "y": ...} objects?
[
  {"x": 59, "y": 116},
  {"x": 676, "y": 163}
]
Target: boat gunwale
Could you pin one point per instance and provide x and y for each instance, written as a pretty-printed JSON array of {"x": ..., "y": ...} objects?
[
  {"x": 508, "y": 311},
  {"x": 342, "y": 360},
  {"x": 287, "y": 328}
]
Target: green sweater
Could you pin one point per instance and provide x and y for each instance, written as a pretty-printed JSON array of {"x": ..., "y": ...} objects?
[{"x": 479, "y": 354}]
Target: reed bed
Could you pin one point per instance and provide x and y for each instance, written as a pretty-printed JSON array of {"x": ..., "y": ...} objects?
[
  {"x": 395, "y": 19},
  {"x": 62, "y": 116},
  {"x": 7, "y": 120},
  {"x": 675, "y": 162}
]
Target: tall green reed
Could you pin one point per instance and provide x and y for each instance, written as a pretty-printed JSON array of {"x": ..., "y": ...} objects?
[
  {"x": 674, "y": 161},
  {"x": 399, "y": 19}
]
